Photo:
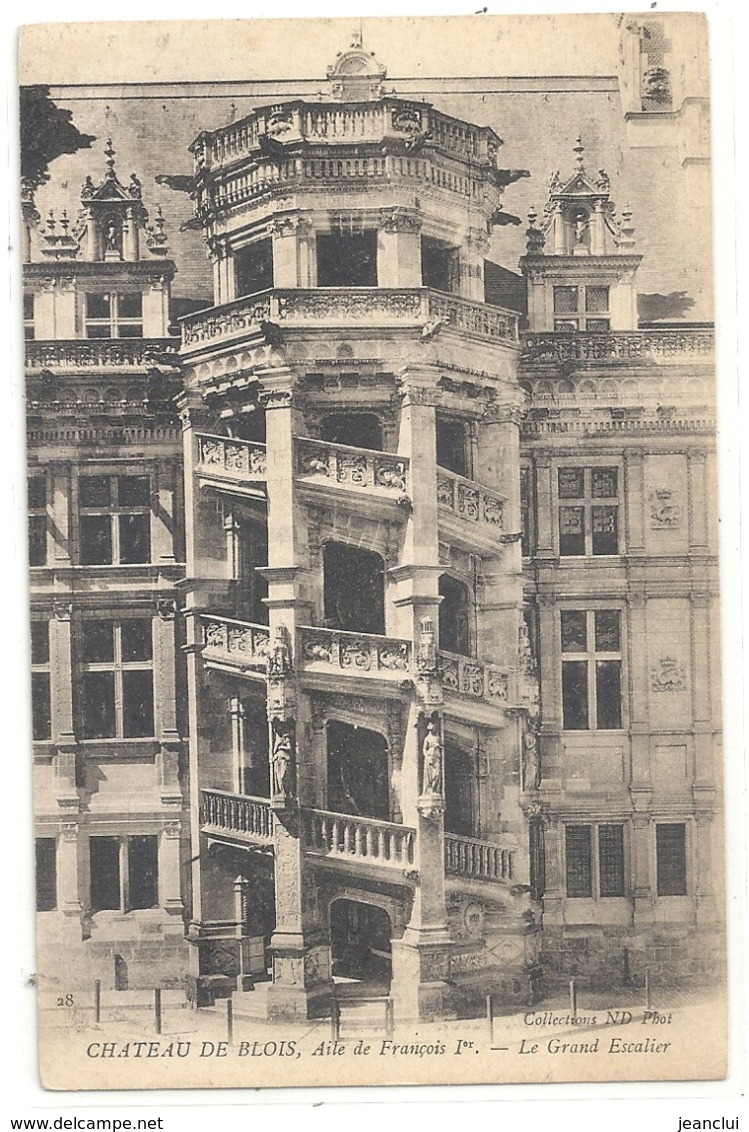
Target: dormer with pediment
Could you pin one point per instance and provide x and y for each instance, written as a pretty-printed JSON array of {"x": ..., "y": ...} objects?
[
  {"x": 580, "y": 262},
  {"x": 104, "y": 274}
]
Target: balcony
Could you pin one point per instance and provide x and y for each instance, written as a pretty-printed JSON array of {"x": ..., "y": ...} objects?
[
  {"x": 470, "y": 502},
  {"x": 478, "y": 860},
  {"x": 361, "y": 471},
  {"x": 234, "y": 646},
  {"x": 467, "y": 677},
  {"x": 226, "y": 462},
  {"x": 368, "y": 308},
  {"x": 100, "y": 354},
  {"x": 331, "y": 651},
  {"x": 337, "y": 123},
  {"x": 358, "y": 841},
  {"x": 651, "y": 347},
  {"x": 236, "y": 817}
]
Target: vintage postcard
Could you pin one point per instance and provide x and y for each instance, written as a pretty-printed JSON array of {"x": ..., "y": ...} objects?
[{"x": 373, "y": 550}]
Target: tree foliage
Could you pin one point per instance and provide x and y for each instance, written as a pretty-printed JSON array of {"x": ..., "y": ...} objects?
[{"x": 47, "y": 131}]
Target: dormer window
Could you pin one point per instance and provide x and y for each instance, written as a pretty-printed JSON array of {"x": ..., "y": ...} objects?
[
  {"x": 581, "y": 308},
  {"x": 113, "y": 315}
]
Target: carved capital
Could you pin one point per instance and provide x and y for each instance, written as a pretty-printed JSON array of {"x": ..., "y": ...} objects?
[
  {"x": 62, "y": 610},
  {"x": 275, "y": 398}
]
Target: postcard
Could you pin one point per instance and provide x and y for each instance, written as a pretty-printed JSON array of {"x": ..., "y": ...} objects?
[{"x": 372, "y": 504}]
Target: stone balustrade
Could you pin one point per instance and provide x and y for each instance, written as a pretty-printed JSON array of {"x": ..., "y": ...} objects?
[
  {"x": 247, "y": 817},
  {"x": 469, "y": 677},
  {"x": 105, "y": 353},
  {"x": 227, "y": 458},
  {"x": 237, "y": 643},
  {"x": 358, "y": 839},
  {"x": 331, "y": 650},
  {"x": 468, "y": 500},
  {"x": 479, "y": 860},
  {"x": 333, "y": 123},
  {"x": 380, "y": 472},
  {"x": 655, "y": 346},
  {"x": 375, "y": 307}
]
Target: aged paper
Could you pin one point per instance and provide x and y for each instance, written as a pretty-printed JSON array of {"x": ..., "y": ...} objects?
[{"x": 373, "y": 547}]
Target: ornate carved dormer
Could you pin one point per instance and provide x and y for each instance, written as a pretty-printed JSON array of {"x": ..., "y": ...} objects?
[
  {"x": 356, "y": 76},
  {"x": 113, "y": 224},
  {"x": 579, "y": 261},
  {"x": 579, "y": 216}
]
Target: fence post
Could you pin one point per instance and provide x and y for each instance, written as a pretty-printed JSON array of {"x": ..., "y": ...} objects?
[
  {"x": 573, "y": 998},
  {"x": 97, "y": 1000},
  {"x": 490, "y": 1016},
  {"x": 627, "y": 977},
  {"x": 335, "y": 1019},
  {"x": 229, "y": 1021},
  {"x": 157, "y": 1009},
  {"x": 647, "y": 988}
]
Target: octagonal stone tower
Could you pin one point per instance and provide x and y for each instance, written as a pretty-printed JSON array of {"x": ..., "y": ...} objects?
[{"x": 362, "y": 693}]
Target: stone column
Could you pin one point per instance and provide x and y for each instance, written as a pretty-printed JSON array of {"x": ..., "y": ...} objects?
[
  {"x": 551, "y": 692},
  {"x": 170, "y": 879},
  {"x": 399, "y": 250},
  {"x": 472, "y": 253},
  {"x": 544, "y": 506},
  {"x": 286, "y": 233},
  {"x": 554, "y": 894},
  {"x": 702, "y": 854},
  {"x": 641, "y": 778},
  {"x": 634, "y": 534},
  {"x": 163, "y": 517},
  {"x": 697, "y": 501},
  {"x": 69, "y": 877},
  {"x": 421, "y": 957},
  {"x": 302, "y": 985},
  {"x": 642, "y": 880},
  {"x": 59, "y": 488}
]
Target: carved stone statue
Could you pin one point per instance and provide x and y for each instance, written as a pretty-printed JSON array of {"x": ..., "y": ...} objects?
[
  {"x": 432, "y": 752},
  {"x": 283, "y": 766},
  {"x": 112, "y": 236}
]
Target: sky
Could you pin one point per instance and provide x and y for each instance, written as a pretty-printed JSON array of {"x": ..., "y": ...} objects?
[{"x": 539, "y": 81}]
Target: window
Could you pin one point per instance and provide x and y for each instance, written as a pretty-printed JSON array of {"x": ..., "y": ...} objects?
[
  {"x": 591, "y": 669},
  {"x": 124, "y": 873},
  {"x": 41, "y": 703},
  {"x": 37, "y": 502},
  {"x": 453, "y": 445},
  {"x": 29, "y": 331},
  {"x": 454, "y": 616},
  {"x": 671, "y": 859},
  {"x": 588, "y": 511},
  {"x": 594, "y": 860},
  {"x": 581, "y": 308},
  {"x": 46, "y": 874},
  {"x": 254, "y": 268},
  {"x": 439, "y": 265},
  {"x": 347, "y": 259},
  {"x": 117, "y": 679},
  {"x": 115, "y": 519},
  {"x": 460, "y": 778},
  {"x": 112, "y": 315},
  {"x": 360, "y": 430},
  {"x": 354, "y": 589}
]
